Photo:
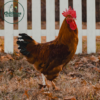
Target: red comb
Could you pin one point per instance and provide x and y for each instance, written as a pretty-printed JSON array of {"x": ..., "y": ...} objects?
[{"x": 70, "y": 11}]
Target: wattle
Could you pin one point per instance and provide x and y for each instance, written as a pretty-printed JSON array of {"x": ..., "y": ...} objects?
[{"x": 73, "y": 25}]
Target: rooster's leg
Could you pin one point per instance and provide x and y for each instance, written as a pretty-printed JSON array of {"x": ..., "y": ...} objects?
[
  {"x": 43, "y": 77},
  {"x": 43, "y": 85},
  {"x": 55, "y": 87},
  {"x": 45, "y": 82}
]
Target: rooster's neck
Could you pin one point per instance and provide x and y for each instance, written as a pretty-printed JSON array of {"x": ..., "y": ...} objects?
[{"x": 66, "y": 35}]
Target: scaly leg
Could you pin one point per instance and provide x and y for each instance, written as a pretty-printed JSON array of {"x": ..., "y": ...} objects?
[
  {"x": 43, "y": 85},
  {"x": 45, "y": 81},
  {"x": 43, "y": 77}
]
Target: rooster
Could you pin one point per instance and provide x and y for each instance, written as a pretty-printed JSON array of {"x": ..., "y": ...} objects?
[{"x": 49, "y": 58}]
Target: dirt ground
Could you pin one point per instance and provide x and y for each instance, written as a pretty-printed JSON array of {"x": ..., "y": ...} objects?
[{"x": 79, "y": 79}]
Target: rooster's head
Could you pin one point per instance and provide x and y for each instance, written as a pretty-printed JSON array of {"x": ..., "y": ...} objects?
[{"x": 70, "y": 15}]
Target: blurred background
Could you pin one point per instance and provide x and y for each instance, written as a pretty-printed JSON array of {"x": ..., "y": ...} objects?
[
  {"x": 43, "y": 9},
  {"x": 79, "y": 79},
  {"x": 57, "y": 18}
]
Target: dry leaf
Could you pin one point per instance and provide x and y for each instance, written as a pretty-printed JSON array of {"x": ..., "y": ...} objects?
[
  {"x": 73, "y": 74},
  {"x": 9, "y": 57},
  {"x": 49, "y": 95},
  {"x": 26, "y": 93},
  {"x": 99, "y": 57},
  {"x": 17, "y": 54},
  {"x": 0, "y": 49},
  {"x": 84, "y": 59},
  {"x": 97, "y": 69},
  {"x": 81, "y": 65},
  {"x": 76, "y": 66},
  {"x": 69, "y": 98},
  {"x": 94, "y": 59},
  {"x": 96, "y": 87},
  {"x": 20, "y": 69},
  {"x": 90, "y": 65},
  {"x": 84, "y": 82},
  {"x": 4, "y": 58},
  {"x": 77, "y": 63}
]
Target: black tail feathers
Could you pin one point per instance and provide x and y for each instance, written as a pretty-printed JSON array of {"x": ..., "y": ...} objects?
[
  {"x": 25, "y": 37},
  {"x": 23, "y": 41}
]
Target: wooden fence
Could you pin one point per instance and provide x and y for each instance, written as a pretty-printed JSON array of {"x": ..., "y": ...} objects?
[{"x": 50, "y": 32}]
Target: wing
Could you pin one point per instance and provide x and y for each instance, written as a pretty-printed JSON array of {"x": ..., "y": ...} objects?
[{"x": 52, "y": 56}]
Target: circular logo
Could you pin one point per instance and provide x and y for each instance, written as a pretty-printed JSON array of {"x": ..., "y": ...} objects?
[{"x": 12, "y": 11}]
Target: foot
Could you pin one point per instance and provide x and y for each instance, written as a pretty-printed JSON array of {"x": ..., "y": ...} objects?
[
  {"x": 48, "y": 85},
  {"x": 55, "y": 87}
]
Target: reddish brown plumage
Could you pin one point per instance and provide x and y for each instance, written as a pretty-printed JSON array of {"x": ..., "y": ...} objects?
[{"x": 49, "y": 58}]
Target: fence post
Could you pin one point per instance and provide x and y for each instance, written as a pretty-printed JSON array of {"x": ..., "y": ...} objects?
[
  {"x": 8, "y": 30},
  {"x": 36, "y": 20},
  {"x": 63, "y": 6},
  {"x": 22, "y": 25},
  {"x": 50, "y": 20},
  {"x": 91, "y": 41},
  {"x": 77, "y": 5}
]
